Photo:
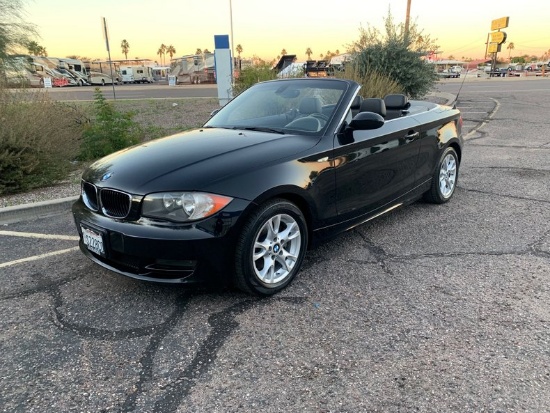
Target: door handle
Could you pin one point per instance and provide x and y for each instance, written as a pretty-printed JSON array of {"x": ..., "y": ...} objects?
[{"x": 412, "y": 135}]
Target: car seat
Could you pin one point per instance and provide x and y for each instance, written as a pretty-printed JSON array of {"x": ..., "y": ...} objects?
[
  {"x": 375, "y": 105},
  {"x": 397, "y": 105},
  {"x": 310, "y": 105}
]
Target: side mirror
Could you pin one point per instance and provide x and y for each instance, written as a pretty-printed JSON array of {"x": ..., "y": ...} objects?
[{"x": 366, "y": 121}]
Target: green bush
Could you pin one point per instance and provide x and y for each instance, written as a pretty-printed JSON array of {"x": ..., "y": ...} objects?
[
  {"x": 38, "y": 139},
  {"x": 396, "y": 55},
  {"x": 252, "y": 75},
  {"x": 109, "y": 131}
]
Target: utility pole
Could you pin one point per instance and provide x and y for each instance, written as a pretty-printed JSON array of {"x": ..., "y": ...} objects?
[{"x": 407, "y": 19}]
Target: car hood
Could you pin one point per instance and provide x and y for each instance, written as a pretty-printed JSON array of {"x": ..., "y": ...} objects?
[{"x": 193, "y": 160}]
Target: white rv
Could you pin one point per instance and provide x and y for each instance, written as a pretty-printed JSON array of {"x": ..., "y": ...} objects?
[
  {"x": 77, "y": 69},
  {"x": 136, "y": 74}
]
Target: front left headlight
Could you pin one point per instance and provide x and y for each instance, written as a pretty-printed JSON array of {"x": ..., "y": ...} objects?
[{"x": 183, "y": 206}]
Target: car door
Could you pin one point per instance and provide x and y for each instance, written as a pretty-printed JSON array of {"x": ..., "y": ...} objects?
[{"x": 376, "y": 167}]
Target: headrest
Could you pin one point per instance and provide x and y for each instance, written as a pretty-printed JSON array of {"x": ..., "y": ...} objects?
[
  {"x": 374, "y": 105},
  {"x": 396, "y": 101},
  {"x": 310, "y": 105}
]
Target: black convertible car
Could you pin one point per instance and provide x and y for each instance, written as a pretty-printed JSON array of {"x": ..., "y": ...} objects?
[{"x": 283, "y": 165}]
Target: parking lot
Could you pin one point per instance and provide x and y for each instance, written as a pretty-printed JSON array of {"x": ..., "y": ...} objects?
[{"x": 429, "y": 309}]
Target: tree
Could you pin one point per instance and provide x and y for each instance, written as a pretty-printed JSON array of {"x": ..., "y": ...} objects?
[
  {"x": 42, "y": 51},
  {"x": 511, "y": 46},
  {"x": 309, "y": 53},
  {"x": 239, "y": 50},
  {"x": 125, "y": 46},
  {"x": 14, "y": 31},
  {"x": 171, "y": 50},
  {"x": 163, "y": 48},
  {"x": 198, "y": 51},
  {"x": 32, "y": 47},
  {"x": 283, "y": 52},
  {"x": 206, "y": 51},
  {"x": 160, "y": 52}
]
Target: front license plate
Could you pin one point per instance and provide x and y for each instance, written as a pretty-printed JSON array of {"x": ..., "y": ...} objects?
[{"x": 93, "y": 241}]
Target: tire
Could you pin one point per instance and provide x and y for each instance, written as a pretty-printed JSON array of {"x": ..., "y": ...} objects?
[
  {"x": 270, "y": 248},
  {"x": 444, "y": 179}
]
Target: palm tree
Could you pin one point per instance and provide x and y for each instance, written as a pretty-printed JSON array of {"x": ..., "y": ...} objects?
[
  {"x": 198, "y": 51},
  {"x": 160, "y": 52},
  {"x": 239, "y": 50},
  {"x": 309, "y": 53},
  {"x": 125, "y": 46},
  {"x": 163, "y": 48},
  {"x": 283, "y": 52},
  {"x": 33, "y": 47},
  {"x": 171, "y": 50},
  {"x": 206, "y": 51},
  {"x": 511, "y": 46}
]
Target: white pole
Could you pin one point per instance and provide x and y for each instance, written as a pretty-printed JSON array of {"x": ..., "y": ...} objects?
[{"x": 231, "y": 42}]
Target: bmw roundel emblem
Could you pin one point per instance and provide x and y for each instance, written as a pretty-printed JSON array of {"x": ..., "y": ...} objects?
[{"x": 106, "y": 176}]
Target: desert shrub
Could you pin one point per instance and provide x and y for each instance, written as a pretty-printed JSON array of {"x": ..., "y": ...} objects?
[
  {"x": 396, "y": 54},
  {"x": 252, "y": 75},
  {"x": 109, "y": 130},
  {"x": 38, "y": 139},
  {"x": 373, "y": 84}
]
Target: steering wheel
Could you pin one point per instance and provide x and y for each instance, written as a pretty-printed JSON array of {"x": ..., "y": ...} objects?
[
  {"x": 291, "y": 114},
  {"x": 319, "y": 116}
]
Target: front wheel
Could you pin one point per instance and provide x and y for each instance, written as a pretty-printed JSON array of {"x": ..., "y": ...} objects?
[
  {"x": 270, "y": 248},
  {"x": 444, "y": 178}
]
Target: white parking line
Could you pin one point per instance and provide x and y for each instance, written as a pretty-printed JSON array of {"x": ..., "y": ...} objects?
[
  {"x": 37, "y": 257},
  {"x": 41, "y": 236}
]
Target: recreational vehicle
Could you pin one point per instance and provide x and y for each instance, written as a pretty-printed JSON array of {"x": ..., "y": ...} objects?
[
  {"x": 194, "y": 69},
  {"x": 136, "y": 74}
]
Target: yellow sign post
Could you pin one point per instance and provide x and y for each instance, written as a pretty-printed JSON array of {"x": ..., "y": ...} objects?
[
  {"x": 500, "y": 23},
  {"x": 498, "y": 37},
  {"x": 493, "y": 48}
]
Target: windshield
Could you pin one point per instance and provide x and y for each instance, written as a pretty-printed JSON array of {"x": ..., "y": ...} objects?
[{"x": 293, "y": 106}]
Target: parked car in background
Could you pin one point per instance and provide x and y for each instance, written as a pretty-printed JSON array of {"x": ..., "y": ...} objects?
[
  {"x": 285, "y": 164},
  {"x": 98, "y": 78}
]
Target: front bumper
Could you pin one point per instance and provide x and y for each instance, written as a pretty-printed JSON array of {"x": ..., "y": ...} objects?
[{"x": 161, "y": 251}]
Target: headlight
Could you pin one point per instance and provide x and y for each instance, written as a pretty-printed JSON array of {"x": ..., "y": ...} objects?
[{"x": 183, "y": 206}]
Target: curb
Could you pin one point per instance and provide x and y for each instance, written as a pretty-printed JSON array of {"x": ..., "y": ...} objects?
[{"x": 17, "y": 213}]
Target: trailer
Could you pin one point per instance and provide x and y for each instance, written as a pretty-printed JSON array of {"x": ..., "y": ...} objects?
[{"x": 194, "y": 69}]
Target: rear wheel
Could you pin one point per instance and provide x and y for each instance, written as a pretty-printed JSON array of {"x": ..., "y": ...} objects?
[
  {"x": 271, "y": 248},
  {"x": 444, "y": 178}
]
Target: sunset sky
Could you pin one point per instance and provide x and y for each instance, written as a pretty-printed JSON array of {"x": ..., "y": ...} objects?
[{"x": 264, "y": 28}]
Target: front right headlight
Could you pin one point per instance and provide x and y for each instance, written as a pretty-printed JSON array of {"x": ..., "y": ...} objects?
[{"x": 183, "y": 206}]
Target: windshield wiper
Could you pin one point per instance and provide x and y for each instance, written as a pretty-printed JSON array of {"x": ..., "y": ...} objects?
[{"x": 260, "y": 129}]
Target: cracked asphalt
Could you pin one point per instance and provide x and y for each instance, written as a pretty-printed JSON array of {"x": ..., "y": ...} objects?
[{"x": 427, "y": 309}]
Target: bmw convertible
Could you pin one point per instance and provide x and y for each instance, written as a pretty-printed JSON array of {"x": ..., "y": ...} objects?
[{"x": 283, "y": 166}]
